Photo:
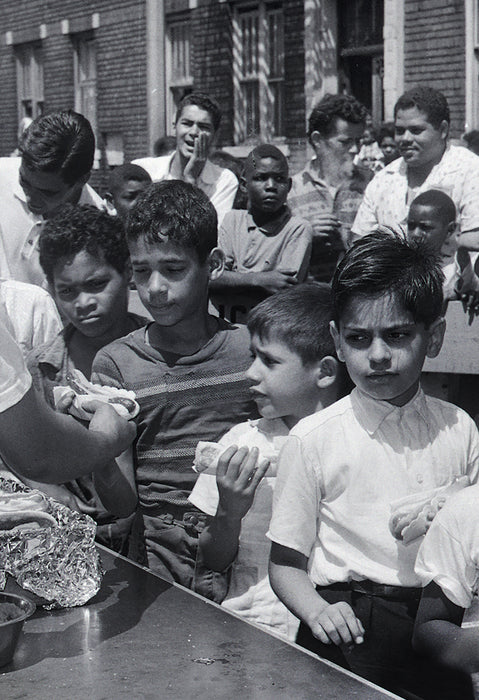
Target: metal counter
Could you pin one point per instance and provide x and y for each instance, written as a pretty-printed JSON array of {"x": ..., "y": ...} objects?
[{"x": 141, "y": 637}]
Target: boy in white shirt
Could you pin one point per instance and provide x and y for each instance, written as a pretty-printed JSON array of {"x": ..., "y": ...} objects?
[
  {"x": 334, "y": 561},
  {"x": 293, "y": 373}
]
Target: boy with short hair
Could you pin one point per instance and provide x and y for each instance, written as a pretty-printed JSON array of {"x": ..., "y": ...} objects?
[
  {"x": 186, "y": 367},
  {"x": 432, "y": 217},
  {"x": 266, "y": 248},
  {"x": 197, "y": 121},
  {"x": 125, "y": 184},
  {"x": 84, "y": 255},
  {"x": 293, "y": 374},
  {"x": 342, "y": 467}
]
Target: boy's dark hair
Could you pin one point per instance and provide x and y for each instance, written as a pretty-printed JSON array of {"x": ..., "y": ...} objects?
[
  {"x": 326, "y": 111},
  {"x": 427, "y": 100},
  {"x": 203, "y": 102},
  {"x": 264, "y": 150},
  {"x": 385, "y": 262},
  {"x": 386, "y": 130},
  {"x": 441, "y": 202},
  {"x": 124, "y": 173},
  {"x": 178, "y": 211},
  {"x": 298, "y": 317},
  {"x": 79, "y": 227},
  {"x": 60, "y": 142}
]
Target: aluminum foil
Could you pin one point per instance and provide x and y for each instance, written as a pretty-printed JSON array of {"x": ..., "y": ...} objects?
[{"x": 60, "y": 563}]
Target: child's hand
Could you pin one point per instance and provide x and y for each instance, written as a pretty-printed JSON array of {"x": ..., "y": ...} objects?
[
  {"x": 337, "y": 624},
  {"x": 275, "y": 280},
  {"x": 237, "y": 477},
  {"x": 196, "y": 163}
]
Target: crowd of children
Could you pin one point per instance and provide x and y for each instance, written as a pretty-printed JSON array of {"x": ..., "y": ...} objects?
[{"x": 310, "y": 389}]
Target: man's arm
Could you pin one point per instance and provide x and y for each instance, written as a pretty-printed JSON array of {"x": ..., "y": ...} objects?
[
  {"x": 289, "y": 579},
  {"x": 38, "y": 443},
  {"x": 115, "y": 485},
  {"x": 438, "y": 633},
  {"x": 270, "y": 282}
]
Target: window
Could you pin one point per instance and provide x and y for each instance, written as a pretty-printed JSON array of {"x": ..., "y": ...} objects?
[
  {"x": 29, "y": 81},
  {"x": 472, "y": 64},
  {"x": 178, "y": 64},
  {"x": 85, "y": 77},
  {"x": 259, "y": 72}
]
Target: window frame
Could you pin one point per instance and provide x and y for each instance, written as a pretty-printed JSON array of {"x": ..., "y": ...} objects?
[
  {"x": 29, "y": 59},
  {"x": 177, "y": 85}
]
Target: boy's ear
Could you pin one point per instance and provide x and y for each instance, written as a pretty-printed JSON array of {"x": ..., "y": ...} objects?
[
  {"x": 315, "y": 139},
  {"x": 333, "y": 329},
  {"x": 436, "y": 336},
  {"x": 451, "y": 227},
  {"x": 290, "y": 184},
  {"x": 328, "y": 369},
  {"x": 216, "y": 263},
  {"x": 242, "y": 185}
]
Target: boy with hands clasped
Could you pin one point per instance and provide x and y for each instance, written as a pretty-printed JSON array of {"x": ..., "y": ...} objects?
[
  {"x": 334, "y": 561},
  {"x": 293, "y": 373}
]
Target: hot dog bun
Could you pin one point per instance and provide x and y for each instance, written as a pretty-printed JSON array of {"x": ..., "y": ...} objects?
[
  {"x": 24, "y": 510},
  {"x": 207, "y": 455},
  {"x": 123, "y": 401}
]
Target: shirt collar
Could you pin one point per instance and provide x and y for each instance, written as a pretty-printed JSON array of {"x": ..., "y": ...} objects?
[
  {"x": 271, "y": 227},
  {"x": 371, "y": 413}
]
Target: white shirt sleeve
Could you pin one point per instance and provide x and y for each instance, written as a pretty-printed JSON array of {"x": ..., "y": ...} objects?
[
  {"x": 15, "y": 380},
  {"x": 366, "y": 218}
]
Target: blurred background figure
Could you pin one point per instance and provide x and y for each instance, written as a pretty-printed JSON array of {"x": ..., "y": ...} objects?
[
  {"x": 125, "y": 185},
  {"x": 387, "y": 143},
  {"x": 164, "y": 146},
  {"x": 472, "y": 141}
]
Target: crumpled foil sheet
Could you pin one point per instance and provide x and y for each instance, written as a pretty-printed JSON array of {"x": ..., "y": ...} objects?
[{"x": 60, "y": 564}]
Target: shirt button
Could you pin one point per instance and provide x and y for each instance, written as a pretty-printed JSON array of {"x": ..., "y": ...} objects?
[
  {"x": 30, "y": 242},
  {"x": 420, "y": 478}
]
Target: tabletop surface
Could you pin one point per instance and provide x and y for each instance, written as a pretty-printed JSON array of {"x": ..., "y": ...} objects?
[{"x": 141, "y": 637}]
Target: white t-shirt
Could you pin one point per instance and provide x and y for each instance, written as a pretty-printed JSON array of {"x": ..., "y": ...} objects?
[
  {"x": 341, "y": 469},
  {"x": 32, "y": 313},
  {"x": 449, "y": 554},
  {"x": 250, "y": 594},
  {"x": 15, "y": 380},
  {"x": 219, "y": 184}
]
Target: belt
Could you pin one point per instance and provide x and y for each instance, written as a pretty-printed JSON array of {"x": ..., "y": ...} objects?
[{"x": 381, "y": 590}]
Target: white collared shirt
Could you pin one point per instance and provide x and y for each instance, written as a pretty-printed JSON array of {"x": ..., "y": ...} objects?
[
  {"x": 219, "y": 184},
  {"x": 20, "y": 229},
  {"x": 387, "y": 198},
  {"x": 342, "y": 468},
  {"x": 15, "y": 379}
]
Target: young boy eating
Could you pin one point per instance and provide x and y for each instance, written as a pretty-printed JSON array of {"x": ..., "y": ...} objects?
[
  {"x": 266, "y": 248},
  {"x": 334, "y": 561},
  {"x": 293, "y": 374},
  {"x": 186, "y": 367},
  {"x": 84, "y": 255}
]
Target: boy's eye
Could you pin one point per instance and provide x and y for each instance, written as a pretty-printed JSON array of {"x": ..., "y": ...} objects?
[
  {"x": 399, "y": 335},
  {"x": 96, "y": 285},
  {"x": 65, "y": 293}
]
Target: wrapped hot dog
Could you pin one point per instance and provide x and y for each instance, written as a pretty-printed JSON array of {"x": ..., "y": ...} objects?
[
  {"x": 123, "y": 401},
  {"x": 412, "y": 516}
]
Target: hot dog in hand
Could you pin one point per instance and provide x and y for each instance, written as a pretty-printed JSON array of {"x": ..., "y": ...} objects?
[{"x": 121, "y": 400}]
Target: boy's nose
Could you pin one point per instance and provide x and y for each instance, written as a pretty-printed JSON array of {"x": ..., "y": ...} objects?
[
  {"x": 252, "y": 372},
  {"x": 379, "y": 351},
  {"x": 84, "y": 301},
  {"x": 354, "y": 150},
  {"x": 157, "y": 284}
]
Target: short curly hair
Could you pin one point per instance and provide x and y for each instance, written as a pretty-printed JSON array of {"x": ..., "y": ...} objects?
[
  {"x": 75, "y": 228},
  {"x": 326, "y": 111},
  {"x": 178, "y": 211},
  {"x": 428, "y": 100},
  {"x": 203, "y": 101}
]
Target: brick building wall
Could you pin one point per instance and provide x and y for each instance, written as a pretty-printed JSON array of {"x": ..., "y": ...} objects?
[
  {"x": 434, "y": 40},
  {"x": 121, "y": 65}
]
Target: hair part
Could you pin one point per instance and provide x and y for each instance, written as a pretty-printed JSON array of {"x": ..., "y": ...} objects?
[
  {"x": 427, "y": 100},
  {"x": 385, "y": 262},
  {"x": 203, "y": 101},
  {"x": 124, "y": 173},
  {"x": 323, "y": 117},
  {"x": 79, "y": 227},
  {"x": 61, "y": 142},
  {"x": 177, "y": 211},
  {"x": 299, "y": 318},
  {"x": 264, "y": 150},
  {"x": 440, "y": 201}
]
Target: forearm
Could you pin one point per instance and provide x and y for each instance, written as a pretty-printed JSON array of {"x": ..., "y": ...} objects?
[
  {"x": 237, "y": 281},
  {"x": 39, "y": 444},
  {"x": 115, "y": 485},
  {"x": 469, "y": 239},
  {"x": 296, "y": 590},
  {"x": 219, "y": 541},
  {"x": 449, "y": 645}
]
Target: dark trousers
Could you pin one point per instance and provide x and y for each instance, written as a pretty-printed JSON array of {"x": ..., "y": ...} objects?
[{"x": 386, "y": 656}]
